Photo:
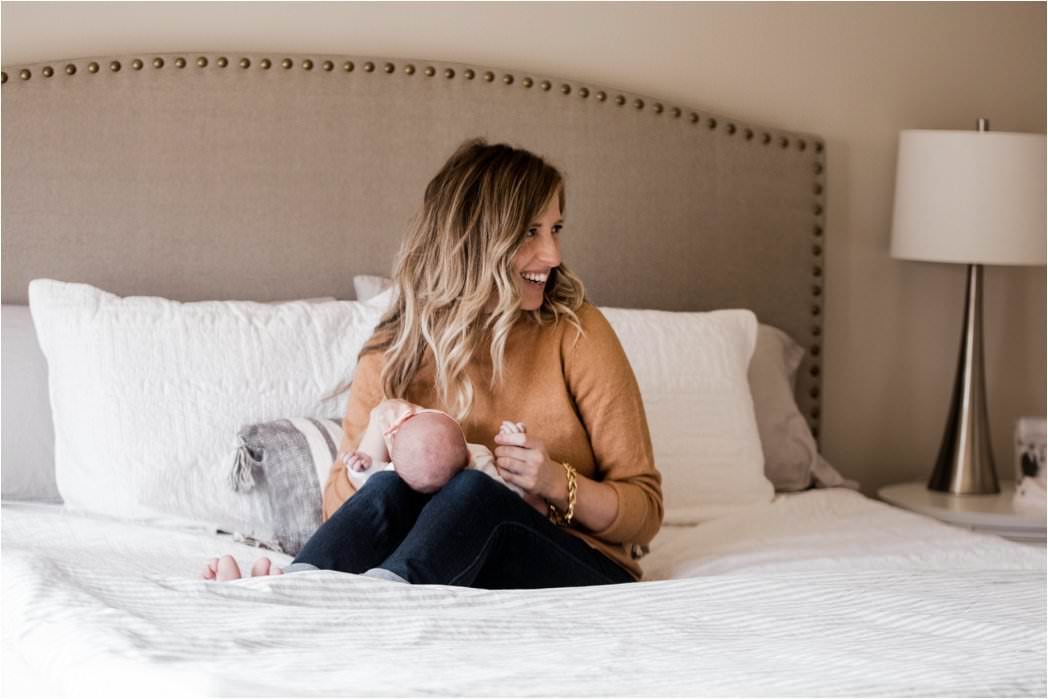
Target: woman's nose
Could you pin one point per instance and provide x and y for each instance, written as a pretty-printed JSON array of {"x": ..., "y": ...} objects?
[{"x": 549, "y": 251}]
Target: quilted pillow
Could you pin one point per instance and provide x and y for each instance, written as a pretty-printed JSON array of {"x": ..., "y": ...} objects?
[{"x": 146, "y": 393}]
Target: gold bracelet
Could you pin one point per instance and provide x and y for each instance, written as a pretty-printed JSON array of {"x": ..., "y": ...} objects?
[{"x": 554, "y": 515}]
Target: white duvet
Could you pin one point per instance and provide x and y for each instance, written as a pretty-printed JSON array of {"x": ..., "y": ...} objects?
[{"x": 819, "y": 593}]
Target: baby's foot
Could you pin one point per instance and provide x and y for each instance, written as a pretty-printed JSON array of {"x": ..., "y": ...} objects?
[{"x": 263, "y": 566}]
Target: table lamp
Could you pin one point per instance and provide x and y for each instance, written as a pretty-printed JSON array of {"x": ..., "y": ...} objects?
[{"x": 974, "y": 198}]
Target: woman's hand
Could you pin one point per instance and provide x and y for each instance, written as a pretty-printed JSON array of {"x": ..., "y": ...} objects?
[{"x": 522, "y": 460}]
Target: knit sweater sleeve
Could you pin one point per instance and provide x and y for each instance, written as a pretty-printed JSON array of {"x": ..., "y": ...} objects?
[
  {"x": 364, "y": 394},
  {"x": 609, "y": 403}
]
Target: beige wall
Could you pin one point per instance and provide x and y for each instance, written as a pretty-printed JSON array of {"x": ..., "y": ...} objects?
[{"x": 855, "y": 73}]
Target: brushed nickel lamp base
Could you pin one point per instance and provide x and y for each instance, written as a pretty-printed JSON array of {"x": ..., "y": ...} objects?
[{"x": 965, "y": 463}]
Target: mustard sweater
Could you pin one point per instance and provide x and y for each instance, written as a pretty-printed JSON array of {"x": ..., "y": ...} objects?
[{"x": 579, "y": 397}]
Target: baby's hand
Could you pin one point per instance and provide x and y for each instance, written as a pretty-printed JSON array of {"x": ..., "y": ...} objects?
[
  {"x": 508, "y": 427},
  {"x": 358, "y": 461}
]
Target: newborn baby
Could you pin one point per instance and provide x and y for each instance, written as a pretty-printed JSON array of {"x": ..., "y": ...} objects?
[{"x": 425, "y": 447}]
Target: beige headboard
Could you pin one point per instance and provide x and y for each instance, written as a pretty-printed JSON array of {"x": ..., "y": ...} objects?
[{"x": 266, "y": 177}]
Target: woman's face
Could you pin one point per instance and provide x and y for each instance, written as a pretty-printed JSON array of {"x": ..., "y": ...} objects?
[{"x": 539, "y": 254}]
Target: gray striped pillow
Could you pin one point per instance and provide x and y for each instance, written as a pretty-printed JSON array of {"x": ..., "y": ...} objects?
[{"x": 281, "y": 466}]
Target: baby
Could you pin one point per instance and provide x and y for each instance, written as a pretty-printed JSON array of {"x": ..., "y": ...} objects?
[{"x": 425, "y": 447}]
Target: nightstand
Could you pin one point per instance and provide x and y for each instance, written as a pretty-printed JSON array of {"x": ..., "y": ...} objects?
[{"x": 990, "y": 514}]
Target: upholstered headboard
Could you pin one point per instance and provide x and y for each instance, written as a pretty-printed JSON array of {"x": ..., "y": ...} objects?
[{"x": 266, "y": 177}]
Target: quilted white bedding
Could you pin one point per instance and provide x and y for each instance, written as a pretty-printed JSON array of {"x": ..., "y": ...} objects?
[{"x": 819, "y": 593}]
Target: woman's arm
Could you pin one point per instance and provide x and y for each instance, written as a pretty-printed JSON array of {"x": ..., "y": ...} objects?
[
  {"x": 624, "y": 503},
  {"x": 364, "y": 394}
]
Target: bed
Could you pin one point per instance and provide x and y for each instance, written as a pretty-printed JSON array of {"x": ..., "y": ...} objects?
[{"x": 184, "y": 178}]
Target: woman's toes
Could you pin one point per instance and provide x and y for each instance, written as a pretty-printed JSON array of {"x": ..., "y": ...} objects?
[
  {"x": 276, "y": 571},
  {"x": 261, "y": 567},
  {"x": 228, "y": 568}
]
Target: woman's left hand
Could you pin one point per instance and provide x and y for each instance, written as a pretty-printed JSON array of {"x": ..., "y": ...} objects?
[{"x": 522, "y": 460}]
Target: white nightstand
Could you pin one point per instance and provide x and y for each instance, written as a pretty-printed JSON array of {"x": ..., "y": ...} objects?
[{"x": 991, "y": 514}]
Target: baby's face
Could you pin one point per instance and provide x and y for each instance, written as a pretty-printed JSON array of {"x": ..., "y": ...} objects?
[{"x": 428, "y": 450}]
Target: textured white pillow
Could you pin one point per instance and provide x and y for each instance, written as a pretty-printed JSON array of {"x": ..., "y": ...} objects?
[
  {"x": 367, "y": 286},
  {"x": 692, "y": 373},
  {"x": 147, "y": 394}
]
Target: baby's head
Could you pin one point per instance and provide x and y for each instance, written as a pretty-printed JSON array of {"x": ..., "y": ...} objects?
[{"x": 428, "y": 450}]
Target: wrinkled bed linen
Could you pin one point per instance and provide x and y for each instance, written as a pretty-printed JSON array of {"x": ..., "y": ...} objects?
[{"x": 820, "y": 593}]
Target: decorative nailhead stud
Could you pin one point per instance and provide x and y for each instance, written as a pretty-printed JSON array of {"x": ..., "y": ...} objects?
[
  {"x": 389, "y": 68},
  {"x": 546, "y": 85},
  {"x": 676, "y": 112},
  {"x": 816, "y": 271},
  {"x": 817, "y": 189},
  {"x": 748, "y": 133},
  {"x": 348, "y": 66},
  {"x": 565, "y": 89},
  {"x": 3, "y": 78},
  {"x": 693, "y": 118},
  {"x": 816, "y": 290},
  {"x": 815, "y": 350},
  {"x": 507, "y": 79},
  {"x": 731, "y": 129},
  {"x": 245, "y": 63},
  {"x": 801, "y": 145},
  {"x": 814, "y": 370},
  {"x": 70, "y": 69},
  {"x": 816, "y": 250},
  {"x": 202, "y": 62},
  {"x": 657, "y": 108},
  {"x": 638, "y": 103},
  {"x": 114, "y": 66},
  {"x": 818, "y": 168},
  {"x": 602, "y": 95},
  {"x": 92, "y": 67},
  {"x": 179, "y": 62},
  {"x": 137, "y": 64},
  {"x": 711, "y": 124},
  {"x": 430, "y": 71},
  {"x": 287, "y": 64},
  {"x": 222, "y": 61},
  {"x": 470, "y": 73},
  {"x": 814, "y": 392},
  {"x": 488, "y": 76},
  {"x": 48, "y": 71},
  {"x": 815, "y": 413},
  {"x": 816, "y": 310},
  {"x": 818, "y": 146},
  {"x": 765, "y": 138},
  {"x": 784, "y": 142},
  {"x": 818, "y": 231},
  {"x": 527, "y": 82},
  {"x": 265, "y": 64},
  {"x": 449, "y": 73},
  {"x": 307, "y": 64},
  {"x": 328, "y": 66},
  {"x": 620, "y": 100},
  {"x": 816, "y": 330},
  {"x": 369, "y": 67},
  {"x": 818, "y": 210},
  {"x": 409, "y": 69},
  {"x": 24, "y": 74},
  {"x": 583, "y": 92}
]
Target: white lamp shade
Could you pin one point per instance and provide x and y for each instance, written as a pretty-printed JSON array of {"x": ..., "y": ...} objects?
[{"x": 971, "y": 197}]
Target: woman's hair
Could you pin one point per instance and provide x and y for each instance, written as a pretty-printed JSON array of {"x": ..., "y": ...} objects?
[{"x": 456, "y": 256}]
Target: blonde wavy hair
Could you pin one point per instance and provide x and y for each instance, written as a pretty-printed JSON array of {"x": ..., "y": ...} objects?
[{"x": 457, "y": 255}]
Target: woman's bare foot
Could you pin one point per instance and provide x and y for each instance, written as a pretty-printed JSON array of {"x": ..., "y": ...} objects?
[{"x": 226, "y": 568}]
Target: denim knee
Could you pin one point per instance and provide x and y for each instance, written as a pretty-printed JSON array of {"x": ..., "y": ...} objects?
[{"x": 471, "y": 482}]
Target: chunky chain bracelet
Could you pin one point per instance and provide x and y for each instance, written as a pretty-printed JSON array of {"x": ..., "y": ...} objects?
[{"x": 555, "y": 516}]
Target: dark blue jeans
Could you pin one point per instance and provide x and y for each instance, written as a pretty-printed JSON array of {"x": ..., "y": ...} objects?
[{"x": 474, "y": 532}]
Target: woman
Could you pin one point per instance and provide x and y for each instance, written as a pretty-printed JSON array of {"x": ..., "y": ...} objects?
[{"x": 488, "y": 324}]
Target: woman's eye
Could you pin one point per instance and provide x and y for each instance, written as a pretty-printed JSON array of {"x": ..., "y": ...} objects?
[{"x": 556, "y": 229}]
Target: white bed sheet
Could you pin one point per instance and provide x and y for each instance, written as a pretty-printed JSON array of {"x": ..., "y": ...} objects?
[{"x": 823, "y": 593}]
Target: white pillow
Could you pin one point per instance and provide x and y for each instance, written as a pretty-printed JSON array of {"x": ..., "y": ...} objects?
[
  {"x": 28, "y": 436},
  {"x": 148, "y": 394},
  {"x": 692, "y": 373},
  {"x": 368, "y": 286}
]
